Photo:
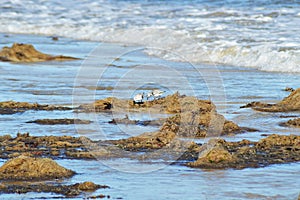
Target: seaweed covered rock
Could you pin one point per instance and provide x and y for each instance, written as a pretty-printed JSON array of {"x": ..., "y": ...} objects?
[
  {"x": 199, "y": 118},
  {"x": 87, "y": 186},
  {"x": 11, "y": 107},
  {"x": 128, "y": 121},
  {"x": 193, "y": 117},
  {"x": 54, "y": 147},
  {"x": 274, "y": 149},
  {"x": 200, "y": 125},
  {"x": 292, "y": 123},
  {"x": 158, "y": 145},
  {"x": 213, "y": 155},
  {"x": 59, "y": 121},
  {"x": 154, "y": 140},
  {"x": 290, "y": 103},
  {"x": 27, "y": 53},
  {"x": 169, "y": 104},
  {"x": 28, "y": 168},
  {"x": 66, "y": 190},
  {"x": 273, "y": 140}
]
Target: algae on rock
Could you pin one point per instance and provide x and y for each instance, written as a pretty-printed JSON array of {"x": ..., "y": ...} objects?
[
  {"x": 288, "y": 104},
  {"x": 29, "y": 168},
  {"x": 27, "y": 53}
]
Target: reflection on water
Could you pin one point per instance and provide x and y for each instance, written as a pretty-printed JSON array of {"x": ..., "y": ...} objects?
[{"x": 52, "y": 83}]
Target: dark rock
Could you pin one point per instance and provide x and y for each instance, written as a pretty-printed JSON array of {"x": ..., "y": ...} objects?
[
  {"x": 128, "y": 121},
  {"x": 289, "y": 89},
  {"x": 12, "y": 107},
  {"x": 66, "y": 190},
  {"x": 60, "y": 121},
  {"x": 55, "y": 38}
]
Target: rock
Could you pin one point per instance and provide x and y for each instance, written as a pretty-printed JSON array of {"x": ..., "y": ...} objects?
[
  {"x": 66, "y": 190},
  {"x": 212, "y": 155},
  {"x": 292, "y": 123},
  {"x": 193, "y": 117},
  {"x": 288, "y": 104},
  {"x": 128, "y": 121},
  {"x": 55, "y": 147},
  {"x": 59, "y": 121},
  {"x": 279, "y": 140},
  {"x": 12, "y": 107},
  {"x": 169, "y": 104},
  {"x": 100, "y": 196},
  {"x": 89, "y": 154},
  {"x": 274, "y": 149},
  {"x": 201, "y": 123},
  {"x": 28, "y": 168},
  {"x": 87, "y": 186},
  {"x": 5, "y": 138},
  {"x": 154, "y": 140},
  {"x": 162, "y": 145},
  {"x": 288, "y": 116},
  {"x": 99, "y": 105},
  {"x": 27, "y": 53}
]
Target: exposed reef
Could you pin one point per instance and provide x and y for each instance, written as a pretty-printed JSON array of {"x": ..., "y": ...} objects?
[
  {"x": 66, "y": 190},
  {"x": 29, "y": 168},
  {"x": 216, "y": 154},
  {"x": 128, "y": 121},
  {"x": 27, "y": 53},
  {"x": 292, "y": 123},
  {"x": 12, "y": 107},
  {"x": 50, "y": 146},
  {"x": 59, "y": 121},
  {"x": 193, "y": 117},
  {"x": 274, "y": 149},
  {"x": 288, "y": 104}
]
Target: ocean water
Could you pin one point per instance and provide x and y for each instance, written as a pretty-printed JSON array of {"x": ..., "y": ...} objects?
[
  {"x": 231, "y": 52},
  {"x": 58, "y": 83},
  {"x": 259, "y": 34}
]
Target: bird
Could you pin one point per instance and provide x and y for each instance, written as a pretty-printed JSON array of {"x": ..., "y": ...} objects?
[
  {"x": 149, "y": 95},
  {"x": 157, "y": 93},
  {"x": 138, "y": 98}
]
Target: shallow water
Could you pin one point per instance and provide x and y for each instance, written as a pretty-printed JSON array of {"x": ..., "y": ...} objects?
[{"x": 229, "y": 87}]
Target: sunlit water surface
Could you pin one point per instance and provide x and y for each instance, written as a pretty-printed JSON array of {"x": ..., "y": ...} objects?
[{"x": 229, "y": 87}]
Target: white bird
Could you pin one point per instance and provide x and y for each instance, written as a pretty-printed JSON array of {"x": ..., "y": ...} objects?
[
  {"x": 149, "y": 95},
  {"x": 138, "y": 98},
  {"x": 157, "y": 93}
]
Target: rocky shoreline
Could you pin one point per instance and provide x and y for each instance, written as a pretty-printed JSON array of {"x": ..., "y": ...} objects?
[
  {"x": 189, "y": 118},
  {"x": 191, "y": 121},
  {"x": 269, "y": 150}
]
